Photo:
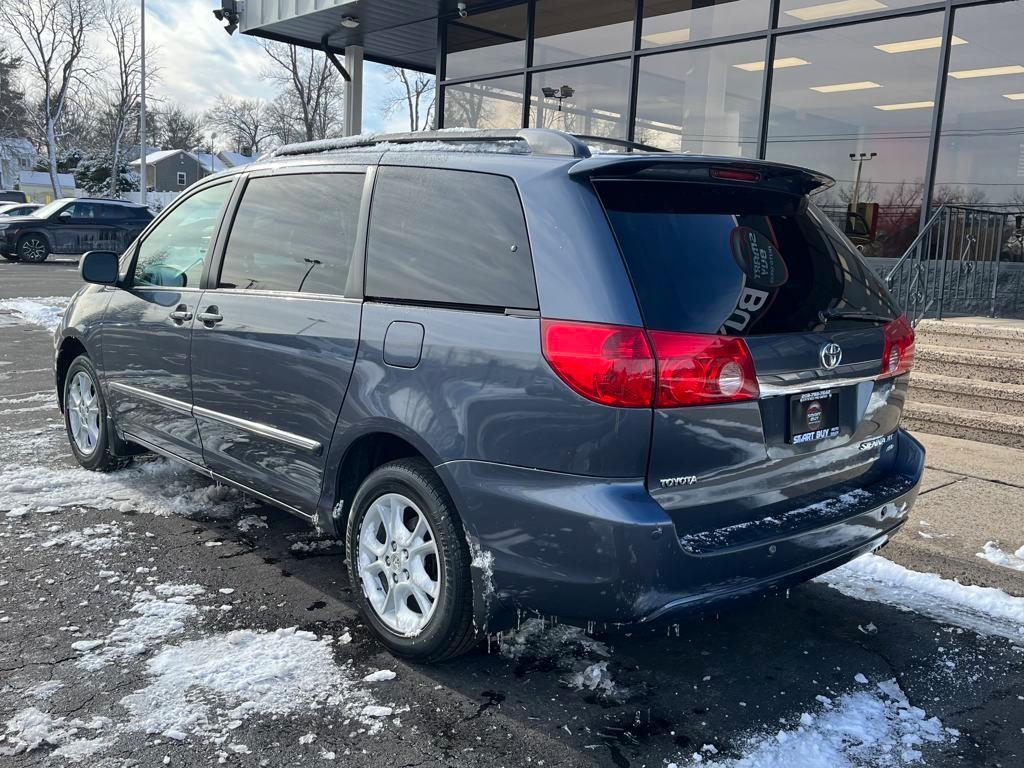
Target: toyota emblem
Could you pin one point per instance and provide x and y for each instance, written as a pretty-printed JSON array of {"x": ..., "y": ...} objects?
[{"x": 831, "y": 355}]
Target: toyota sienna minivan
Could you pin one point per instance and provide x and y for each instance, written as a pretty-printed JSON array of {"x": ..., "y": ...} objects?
[{"x": 512, "y": 372}]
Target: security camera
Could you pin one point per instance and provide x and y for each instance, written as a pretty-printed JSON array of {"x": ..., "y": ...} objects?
[{"x": 463, "y": 13}]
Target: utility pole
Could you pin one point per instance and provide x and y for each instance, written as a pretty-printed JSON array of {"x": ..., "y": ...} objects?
[
  {"x": 859, "y": 159},
  {"x": 143, "y": 171}
]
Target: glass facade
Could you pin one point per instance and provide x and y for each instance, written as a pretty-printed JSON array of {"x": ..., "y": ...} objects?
[{"x": 901, "y": 101}]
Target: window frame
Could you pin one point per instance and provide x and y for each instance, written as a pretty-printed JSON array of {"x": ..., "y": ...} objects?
[
  {"x": 354, "y": 281},
  {"x": 126, "y": 276},
  {"x": 490, "y": 309},
  {"x": 181, "y": 178}
]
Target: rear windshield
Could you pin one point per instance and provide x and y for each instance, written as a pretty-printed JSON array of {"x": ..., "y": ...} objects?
[{"x": 735, "y": 261}]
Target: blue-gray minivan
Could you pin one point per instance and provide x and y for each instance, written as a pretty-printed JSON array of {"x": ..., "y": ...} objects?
[{"x": 513, "y": 372}]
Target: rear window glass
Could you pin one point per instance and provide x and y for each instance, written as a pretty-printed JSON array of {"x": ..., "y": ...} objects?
[
  {"x": 448, "y": 237},
  {"x": 739, "y": 262}
]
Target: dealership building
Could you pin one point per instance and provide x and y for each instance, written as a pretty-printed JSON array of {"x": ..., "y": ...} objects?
[{"x": 899, "y": 101}]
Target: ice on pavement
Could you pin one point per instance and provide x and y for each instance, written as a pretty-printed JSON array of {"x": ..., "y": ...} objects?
[
  {"x": 203, "y": 687},
  {"x": 995, "y": 555},
  {"x": 31, "y": 728},
  {"x": 878, "y": 728},
  {"x": 42, "y": 310},
  {"x": 985, "y": 610}
]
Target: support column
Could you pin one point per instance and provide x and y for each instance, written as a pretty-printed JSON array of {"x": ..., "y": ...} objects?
[{"x": 354, "y": 90}]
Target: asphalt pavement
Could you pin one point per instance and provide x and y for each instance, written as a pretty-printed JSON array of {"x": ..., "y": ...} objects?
[{"x": 99, "y": 611}]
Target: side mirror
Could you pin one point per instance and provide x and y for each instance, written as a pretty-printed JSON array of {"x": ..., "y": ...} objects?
[
  {"x": 99, "y": 267},
  {"x": 64, "y": 215}
]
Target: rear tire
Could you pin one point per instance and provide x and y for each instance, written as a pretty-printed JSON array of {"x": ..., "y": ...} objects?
[
  {"x": 33, "y": 249},
  {"x": 85, "y": 419},
  {"x": 392, "y": 580}
]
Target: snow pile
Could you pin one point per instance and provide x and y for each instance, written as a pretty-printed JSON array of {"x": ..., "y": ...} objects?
[
  {"x": 44, "y": 311},
  {"x": 594, "y": 678},
  {"x": 539, "y": 639},
  {"x": 90, "y": 539},
  {"x": 208, "y": 686},
  {"x": 877, "y": 728},
  {"x": 160, "y": 616},
  {"x": 157, "y": 487},
  {"x": 982, "y": 609},
  {"x": 315, "y": 545},
  {"x": 996, "y": 556},
  {"x": 249, "y": 522},
  {"x": 30, "y": 729}
]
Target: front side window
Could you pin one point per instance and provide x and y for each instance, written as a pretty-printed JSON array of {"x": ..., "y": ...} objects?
[
  {"x": 448, "y": 237},
  {"x": 172, "y": 254},
  {"x": 294, "y": 233}
]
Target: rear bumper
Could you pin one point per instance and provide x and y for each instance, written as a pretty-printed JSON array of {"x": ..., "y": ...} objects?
[{"x": 590, "y": 549}]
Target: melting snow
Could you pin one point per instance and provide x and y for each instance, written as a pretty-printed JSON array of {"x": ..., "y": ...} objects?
[
  {"x": 204, "y": 686},
  {"x": 44, "y": 311},
  {"x": 982, "y": 609},
  {"x": 877, "y": 728},
  {"x": 30, "y": 729},
  {"x": 996, "y": 556}
]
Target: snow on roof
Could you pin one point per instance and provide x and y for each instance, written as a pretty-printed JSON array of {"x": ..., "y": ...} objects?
[
  {"x": 163, "y": 154},
  {"x": 42, "y": 179},
  {"x": 235, "y": 159},
  {"x": 211, "y": 163}
]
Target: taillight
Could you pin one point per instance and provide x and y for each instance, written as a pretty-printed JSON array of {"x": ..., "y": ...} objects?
[
  {"x": 898, "y": 349},
  {"x": 610, "y": 364},
  {"x": 699, "y": 369},
  {"x": 615, "y": 365}
]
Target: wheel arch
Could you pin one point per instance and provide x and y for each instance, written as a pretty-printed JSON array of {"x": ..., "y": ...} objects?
[
  {"x": 70, "y": 348},
  {"x": 37, "y": 232}
]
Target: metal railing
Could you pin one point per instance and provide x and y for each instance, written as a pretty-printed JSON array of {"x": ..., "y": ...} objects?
[{"x": 961, "y": 263}]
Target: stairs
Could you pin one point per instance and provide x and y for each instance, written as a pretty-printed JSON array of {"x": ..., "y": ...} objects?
[{"x": 968, "y": 380}]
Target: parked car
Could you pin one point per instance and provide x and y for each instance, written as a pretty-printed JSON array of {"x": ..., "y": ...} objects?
[
  {"x": 613, "y": 388},
  {"x": 72, "y": 226},
  {"x": 13, "y": 196},
  {"x": 18, "y": 209}
]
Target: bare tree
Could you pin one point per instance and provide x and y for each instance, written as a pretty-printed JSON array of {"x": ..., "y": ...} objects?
[
  {"x": 177, "y": 128},
  {"x": 53, "y": 34},
  {"x": 414, "y": 92},
  {"x": 243, "y": 121},
  {"x": 122, "y": 99},
  {"x": 312, "y": 86}
]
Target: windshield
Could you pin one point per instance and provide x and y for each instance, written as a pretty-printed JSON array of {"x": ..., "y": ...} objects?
[
  {"x": 737, "y": 261},
  {"x": 49, "y": 208}
]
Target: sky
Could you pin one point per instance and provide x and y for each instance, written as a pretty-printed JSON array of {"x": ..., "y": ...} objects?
[{"x": 198, "y": 61}]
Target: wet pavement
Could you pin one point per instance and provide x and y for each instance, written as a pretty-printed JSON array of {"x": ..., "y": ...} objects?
[{"x": 80, "y": 559}]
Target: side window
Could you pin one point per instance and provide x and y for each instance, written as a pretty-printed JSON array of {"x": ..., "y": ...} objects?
[
  {"x": 173, "y": 253},
  {"x": 449, "y": 237},
  {"x": 181, "y": 178},
  {"x": 294, "y": 233}
]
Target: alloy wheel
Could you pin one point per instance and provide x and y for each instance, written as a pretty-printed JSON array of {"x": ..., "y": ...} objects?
[
  {"x": 83, "y": 409},
  {"x": 398, "y": 564},
  {"x": 33, "y": 249}
]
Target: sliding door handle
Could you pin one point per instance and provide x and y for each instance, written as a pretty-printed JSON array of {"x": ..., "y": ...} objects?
[
  {"x": 180, "y": 314},
  {"x": 210, "y": 317}
]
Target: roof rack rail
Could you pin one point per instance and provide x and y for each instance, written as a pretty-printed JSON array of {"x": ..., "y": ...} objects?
[
  {"x": 538, "y": 140},
  {"x": 618, "y": 142}
]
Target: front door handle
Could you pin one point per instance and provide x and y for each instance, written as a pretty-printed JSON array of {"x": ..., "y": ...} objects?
[
  {"x": 180, "y": 314},
  {"x": 210, "y": 317}
]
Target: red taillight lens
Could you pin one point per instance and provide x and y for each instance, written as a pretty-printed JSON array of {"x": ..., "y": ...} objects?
[
  {"x": 898, "y": 349},
  {"x": 610, "y": 364},
  {"x": 735, "y": 174},
  {"x": 699, "y": 369}
]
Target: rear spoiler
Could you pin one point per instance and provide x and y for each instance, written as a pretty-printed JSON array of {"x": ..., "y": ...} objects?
[{"x": 699, "y": 168}]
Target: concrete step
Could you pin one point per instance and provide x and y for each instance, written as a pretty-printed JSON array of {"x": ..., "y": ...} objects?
[
  {"x": 969, "y": 394},
  {"x": 999, "y": 336},
  {"x": 963, "y": 423},
  {"x": 974, "y": 364}
]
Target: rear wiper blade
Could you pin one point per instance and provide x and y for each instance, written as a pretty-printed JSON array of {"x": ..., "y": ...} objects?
[{"x": 841, "y": 314}]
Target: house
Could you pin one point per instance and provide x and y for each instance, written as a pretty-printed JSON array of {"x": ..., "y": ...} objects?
[
  {"x": 172, "y": 170},
  {"x": 38, "y": 187},
  {"x": 222, "y": 160},
  {"x": 16, "y": 155}
]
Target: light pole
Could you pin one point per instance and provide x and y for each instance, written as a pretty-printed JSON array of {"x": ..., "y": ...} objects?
[
  {"x": 859, "y": 159},
  {"x": 143, "y": 171},
  {"x": 565, "y": 92}
]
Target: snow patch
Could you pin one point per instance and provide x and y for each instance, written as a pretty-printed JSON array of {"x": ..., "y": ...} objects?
[
  {"x": 982, "y": 609},
  {"x": 204, "y": 686},
  {"x": 996, "y": 556},
  {"x": 379, "y": 676},
  {"x": 868, "y": 728},
  {"x": 90, "y": 539},
  {"x": 31, "y": 728},
  {"x": 45, "y": 311},
  {"x": 594, "y": 678}
]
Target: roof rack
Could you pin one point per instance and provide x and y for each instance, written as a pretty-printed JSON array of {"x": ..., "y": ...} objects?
[{"x": 540, "y": 141}]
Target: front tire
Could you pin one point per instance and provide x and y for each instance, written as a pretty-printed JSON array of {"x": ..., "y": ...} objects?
[
  {"x": 85, "y": 418},
  {"x": 33, "y": 248},
  {"x": 408, "y": 563}
]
